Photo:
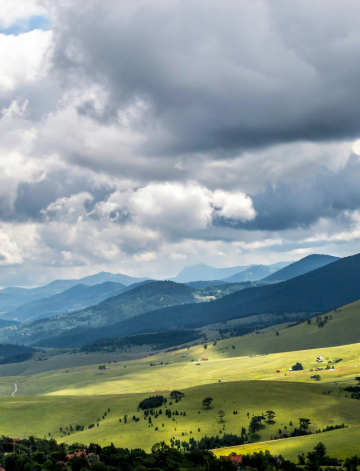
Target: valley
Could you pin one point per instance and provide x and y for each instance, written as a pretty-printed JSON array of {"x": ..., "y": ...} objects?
[{"x": 79, "y": 395}]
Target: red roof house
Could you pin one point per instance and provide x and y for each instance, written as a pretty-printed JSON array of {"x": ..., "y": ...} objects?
[
  {"x": 277, "y": 371},
  {"x": 237, "y": 459},
  {"x": 205, "y": 358},
  {"x": 158, "y": 390},
  {"x": 78, "y": 454}
]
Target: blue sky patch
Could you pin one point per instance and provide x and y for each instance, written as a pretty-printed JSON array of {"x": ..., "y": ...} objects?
[{"x": 35, "y": 22}]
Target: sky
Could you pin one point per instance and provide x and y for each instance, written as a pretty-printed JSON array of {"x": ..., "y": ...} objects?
[{"x": 141, "y": 137}]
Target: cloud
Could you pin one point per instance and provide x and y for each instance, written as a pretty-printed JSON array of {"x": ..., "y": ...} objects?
[
  {"x": 22, "y": 10},
  {"x": 139, "y": 136},
  {"x": 220, "y": 77},
  {"x": 23, "y": 59}
]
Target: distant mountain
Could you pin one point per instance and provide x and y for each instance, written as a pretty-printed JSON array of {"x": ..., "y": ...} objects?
[
  {"x": 202, "y": 272},
  {"x": 143, "y": 298},
  {"x": 305, "y": 265},
  {"x": 254, "y": 273},
  {"x": 74, "y": 299},
  {"x": 11, "y": 298},
  {"x": 102, "y": 277},
  {"x": 318, "y": 291}
]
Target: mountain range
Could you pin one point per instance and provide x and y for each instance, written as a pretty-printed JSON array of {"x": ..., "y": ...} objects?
[
  {"x": 318, "y": 291},
  {"x": 306, "y": 264},
  {"x": 10, "y": 298},
  {"x": 203, "y": 272}
]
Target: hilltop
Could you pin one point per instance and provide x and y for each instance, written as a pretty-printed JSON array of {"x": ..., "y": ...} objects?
[
  {"x": 305, "y": 265},
  {"x": 76, "y": 298}
]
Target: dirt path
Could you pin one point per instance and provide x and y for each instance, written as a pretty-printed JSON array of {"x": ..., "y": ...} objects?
[
  {"x": 177, "y": 374},
  {"x": 15, "y": 390}
]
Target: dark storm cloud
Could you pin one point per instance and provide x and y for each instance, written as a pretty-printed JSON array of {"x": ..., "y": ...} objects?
[
  {"x": 221, "y": 76},
  {"x": 288, "y": 206},
  {"x": 32, "y": 198}
]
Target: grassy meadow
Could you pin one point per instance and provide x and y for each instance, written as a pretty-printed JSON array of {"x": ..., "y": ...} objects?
[
  {"x": 41, "y": 415},
  {"x": 67, "y": 390},
  {"x": 339, "y": 444}
]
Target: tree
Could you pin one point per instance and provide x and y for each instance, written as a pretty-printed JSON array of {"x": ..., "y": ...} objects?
[
  {"x": 221, "y": 415},
  {"x": 277, "y": 333},
  {"x": 161, "y": 447},
  {"x": 270, "y": 414},
  {"x": 297, "y": 367},
  {"x": 351, "y": 463},
  {"x": 176, "y": 394},
  {"x": 125, "y": 418},
  {"x": 207, "y": 401},
  {"x": 255, "y": 425},
  {"x": 205, "y": 346},
  {"x": 304, "y": 423},
  {"x": 357, "y": 378}
]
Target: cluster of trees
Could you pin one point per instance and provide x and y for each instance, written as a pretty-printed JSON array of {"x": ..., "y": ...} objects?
[
  {"x": 152, "y": 402},
  {"x": 355, "y": 390},
  {"x": 47, "y": 455},
  {"x": 158, "y": 341},
  {"x": 210, "y": 443}
]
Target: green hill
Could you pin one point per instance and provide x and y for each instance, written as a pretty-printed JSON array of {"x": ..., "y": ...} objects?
[
  {"x": 318, "y": 291},
  {"x": 76, "y": 298},
  {"x": 305, "y": 265},
  {"x": 143, "y": 298}
]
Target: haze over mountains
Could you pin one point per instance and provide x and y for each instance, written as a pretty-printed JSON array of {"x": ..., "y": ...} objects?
[
  {"x": 203, "y": 272},
  {"x": 318, "y": 291},
  {"x": 306, "y": 264},
  {"x": 139, "y": 307}
]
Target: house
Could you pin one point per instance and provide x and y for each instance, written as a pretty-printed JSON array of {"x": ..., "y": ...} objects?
[
  {"x": 1, "y": 467},
  {"x": 277, "y": 371},
  {"x": 236, "y": 460},
  {"x": 316, "y": 369},
  {"x": 78, "y": 454},
  {"x": 166, "y": 390},
  {"x": 205, "y": 358},
  {"x": 158, "y": 390},
  {"x": 290, "y": 369},
  {"x": 320, "y": 359}
]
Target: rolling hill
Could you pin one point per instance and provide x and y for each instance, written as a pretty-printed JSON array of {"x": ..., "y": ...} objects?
[
  {"x": 305, "y": 265},
  {"x": 133, "y": 300},
  {"x": 254, "y": 273},
  {"x": 11, "y": 298},
  {"x": 318, "y": 291},
  {"x": 74, "y": 299},
  {"x": 143, "y": 298}
]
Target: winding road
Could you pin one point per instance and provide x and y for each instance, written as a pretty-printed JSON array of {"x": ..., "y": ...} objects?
[{"x": 15, "y": 390}]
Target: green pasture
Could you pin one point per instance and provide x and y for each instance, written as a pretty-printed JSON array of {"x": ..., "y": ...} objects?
[
  {"x": 341, "y": 444},
  {"x": 41, "y": 415},
  {"x": 176, "y": 372}
]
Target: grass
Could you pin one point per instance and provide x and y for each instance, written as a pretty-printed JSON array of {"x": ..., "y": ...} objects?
[
  {"x": 341, "y": 444},
  {"x": 40, "y": 415},
  {"x": 67, "y": 389}
]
